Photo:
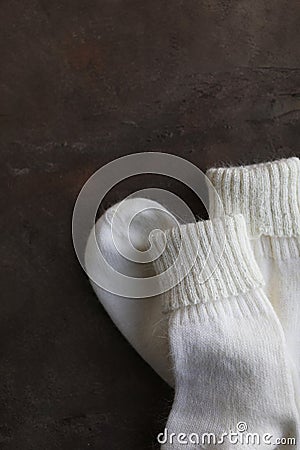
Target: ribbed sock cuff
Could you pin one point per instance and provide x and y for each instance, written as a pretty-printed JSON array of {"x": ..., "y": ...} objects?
[
  {"x": 267, "y": 194},
  {"x": 206, "y": 261}
]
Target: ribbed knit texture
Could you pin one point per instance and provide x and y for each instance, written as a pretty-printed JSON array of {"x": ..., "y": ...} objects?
[
  {"x": 266, "y": 194},
  {"x": 226, "y": 343},
  {"x": 211, "y": 259}
]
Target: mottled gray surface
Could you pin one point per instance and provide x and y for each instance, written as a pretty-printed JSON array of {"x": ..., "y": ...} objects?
[{"x": 83, "y": 82}]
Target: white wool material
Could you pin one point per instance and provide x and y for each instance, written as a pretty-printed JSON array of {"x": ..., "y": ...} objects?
[
  {"x": 227, "y": 345},
  {"x": 122, "y": 232},
  {"x": 268, "y": 195}
]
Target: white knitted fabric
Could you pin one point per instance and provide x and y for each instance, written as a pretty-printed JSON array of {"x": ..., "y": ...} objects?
[
  {"x": 268, "y": 195},
  {"x": 227, "y": 345}
]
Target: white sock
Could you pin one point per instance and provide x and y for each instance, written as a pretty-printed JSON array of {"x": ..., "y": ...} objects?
[
  {"x": 227, "y": 345},
  {"x": 268, "y": 195},
  {"x": 122, "y": 233}
]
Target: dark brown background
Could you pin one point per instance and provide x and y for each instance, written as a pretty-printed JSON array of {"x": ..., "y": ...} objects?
[{"x": 83, "y": 82}]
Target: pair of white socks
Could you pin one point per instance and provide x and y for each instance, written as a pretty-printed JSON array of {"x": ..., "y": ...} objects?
[{"x": 234, "y": 319}]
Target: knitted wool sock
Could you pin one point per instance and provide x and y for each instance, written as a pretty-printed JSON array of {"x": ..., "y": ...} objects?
[
  {"x": 227, "y": 345},
  {"x": 268, "y": 195}
]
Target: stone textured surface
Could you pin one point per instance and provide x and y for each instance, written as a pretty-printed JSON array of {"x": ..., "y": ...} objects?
[{"x": 83, "y": 82}]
